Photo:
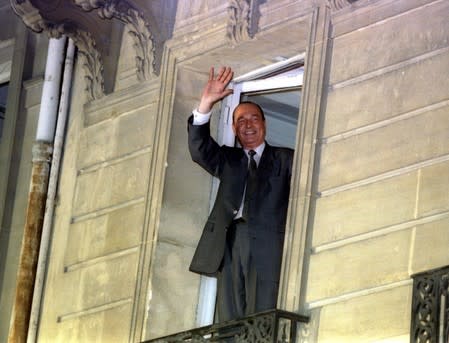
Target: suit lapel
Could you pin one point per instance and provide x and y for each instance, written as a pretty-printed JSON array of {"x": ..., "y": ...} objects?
[
  {"x": 238, "y": 178},
  {"x": 268, "y": 166}
]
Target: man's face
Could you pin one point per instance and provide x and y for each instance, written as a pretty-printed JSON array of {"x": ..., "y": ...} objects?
[{"x": 249, "y": 126}]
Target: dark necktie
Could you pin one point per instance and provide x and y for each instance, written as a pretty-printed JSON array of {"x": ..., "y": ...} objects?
[{"x": 251, "y": 182}]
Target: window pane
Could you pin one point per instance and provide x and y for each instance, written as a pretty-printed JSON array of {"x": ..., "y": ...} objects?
[{"x": 281, "y": 108}]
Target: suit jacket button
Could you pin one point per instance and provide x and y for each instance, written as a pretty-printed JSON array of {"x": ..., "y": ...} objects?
[{"x": 235, "y": 212}]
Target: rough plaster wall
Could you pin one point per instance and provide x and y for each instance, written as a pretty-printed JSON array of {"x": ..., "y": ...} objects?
[{"x": 382, "y": 213}]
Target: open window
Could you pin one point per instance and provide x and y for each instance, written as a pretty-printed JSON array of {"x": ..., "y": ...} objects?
[{"x": 278, "y": 90}]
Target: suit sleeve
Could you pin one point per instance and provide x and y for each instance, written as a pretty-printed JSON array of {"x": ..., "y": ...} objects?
[{"x": 203, "y": 149}]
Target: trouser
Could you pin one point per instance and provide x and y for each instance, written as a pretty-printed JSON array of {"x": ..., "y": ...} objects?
[{"x": 242, "y": 290}]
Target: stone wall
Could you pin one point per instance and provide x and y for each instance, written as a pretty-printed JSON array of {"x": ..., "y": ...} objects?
[
  {"x": 381, "y": 212},
  {"x": 99, "y": 238},
  {"x": 202, "y": 41},
  {"x": 368, "y": 202}
]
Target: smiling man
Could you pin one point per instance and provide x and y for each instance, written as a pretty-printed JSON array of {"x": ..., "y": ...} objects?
[
  {"x": 242, "y": 240},
  {"x": 249, "y": 125}
]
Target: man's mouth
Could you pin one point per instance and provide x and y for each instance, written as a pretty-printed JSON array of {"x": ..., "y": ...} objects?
[{"x": 249, "y": 132}]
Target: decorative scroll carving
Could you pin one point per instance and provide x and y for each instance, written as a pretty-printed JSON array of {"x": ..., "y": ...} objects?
[
  {"x": 29, "y": 14},
  {"x": 137, "y": 27},
  {"x": 430, "y": 308},
  {"x": 340, "y": 4},
  {"x": 86, "y": 45},
  {"x": 47, "y": 6},
  {"x": 257, "y": 329},
  {"x": 93, "y": 65},
  {"x": 242, "y": 20}
]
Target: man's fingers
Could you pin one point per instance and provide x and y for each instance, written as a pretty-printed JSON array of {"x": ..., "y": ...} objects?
[
  {"x": 228, "y": 76},
  {"x": 220, "y": 74},
  {"x": 211, "y": 73},
  {"x": 225, "y": 74}
]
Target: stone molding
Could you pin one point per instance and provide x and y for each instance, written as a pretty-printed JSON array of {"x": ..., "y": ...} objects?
[
  {"x": 106, "y": 108},
  {"x": 29, "y": 14},
  {"x": 92, "y": 64},
  {"x": 137, "y": 27},
  {"x": 242, "y": 22},
  {"x": 337, "y": 5}
]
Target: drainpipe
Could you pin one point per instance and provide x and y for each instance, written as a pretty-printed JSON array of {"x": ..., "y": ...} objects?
[
  {"x": 51, "y": 193},
  {"x": 42, "y": 151}
]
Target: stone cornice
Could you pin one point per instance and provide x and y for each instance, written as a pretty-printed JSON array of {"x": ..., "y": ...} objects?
[
  {"x": 242, "y": 20},
  {"x": 30, "y": 15},
  {"x": 92, "y": 63},
  {"x": 89, "y": 24},
  {"x": 337, "y": 5},
  {"x": 239, "y": 20}
]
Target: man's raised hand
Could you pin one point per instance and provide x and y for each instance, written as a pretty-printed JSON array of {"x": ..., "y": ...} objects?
[{"x": 215, "y": 88}]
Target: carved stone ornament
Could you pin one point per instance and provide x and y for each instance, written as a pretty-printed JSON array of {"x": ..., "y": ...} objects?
[
  {"x": 92, "y": 64},
  {"x": 29, "y": 14},
  {"x": 137, "y": 27},
  {"x": 339, "y": 4},
  {"x": 240, "y": 23}
]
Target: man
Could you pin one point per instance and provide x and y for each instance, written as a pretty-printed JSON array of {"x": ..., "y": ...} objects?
[{"x": 242, "y": 240}]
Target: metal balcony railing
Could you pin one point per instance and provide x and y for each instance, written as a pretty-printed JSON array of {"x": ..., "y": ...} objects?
[
  {"x": 430, "y": 307},
  {"x": 274, "y": 326}
]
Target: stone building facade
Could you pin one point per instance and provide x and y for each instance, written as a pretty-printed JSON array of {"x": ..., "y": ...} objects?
[{"x": 369, "y": 205}]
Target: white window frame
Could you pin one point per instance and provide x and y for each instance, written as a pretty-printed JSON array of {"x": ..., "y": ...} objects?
[{"x": 246, "y": 83}]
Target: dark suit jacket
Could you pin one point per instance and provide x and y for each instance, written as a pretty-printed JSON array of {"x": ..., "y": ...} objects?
[{"x": 267, "y": 207}]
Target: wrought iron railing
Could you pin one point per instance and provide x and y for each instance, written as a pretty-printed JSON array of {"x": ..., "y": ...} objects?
[
  {"x": 430, "y": 307},
  {"x": 274, "y": 326}
]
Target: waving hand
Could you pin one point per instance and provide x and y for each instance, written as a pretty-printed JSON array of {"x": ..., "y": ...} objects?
[{"x": 215, "y": 88}]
